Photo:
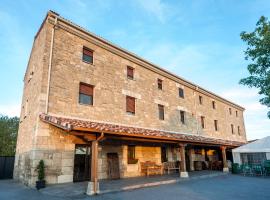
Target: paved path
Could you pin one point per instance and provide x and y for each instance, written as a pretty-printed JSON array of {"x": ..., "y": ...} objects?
[{"x": 230, "y": 187}]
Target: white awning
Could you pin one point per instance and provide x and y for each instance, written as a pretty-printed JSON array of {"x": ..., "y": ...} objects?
[{"x": 262, "y": 145}]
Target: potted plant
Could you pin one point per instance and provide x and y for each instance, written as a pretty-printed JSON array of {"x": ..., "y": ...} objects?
[{"x": 41, "y": 175}]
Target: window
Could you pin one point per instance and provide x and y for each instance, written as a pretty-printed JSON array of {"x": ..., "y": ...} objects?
[
  {"x": 232, "y": 128},
  {"x": 216, "y": 125},
  {"x": 26, "y": 109},
  {"x": 214, "y": 104},
  {"x": 238, "y": 130},
  {"x": 87, "y": 55},
  {"x": 159, "y": 82},
  {"x": 202, "y": 121},
  {"x": 86, "y": 94},
  {"x": 230, "y": 111},
  {"x": 131, "y": 155},
  {"x": 201, "y": 100},
  {"x": 236, "y": 113},
  {"x": 182, "y": 116},
  {"x": 161, "y": 112},
  {"x": 181, "y": 93},
  {"x": 130, "y": 72},
  {"x": 130, "y": 105},
  {"x": 253, "y": 158}
]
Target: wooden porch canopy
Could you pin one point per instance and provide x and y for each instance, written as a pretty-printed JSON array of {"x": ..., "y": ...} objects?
[{"x": 82, "y": 126}]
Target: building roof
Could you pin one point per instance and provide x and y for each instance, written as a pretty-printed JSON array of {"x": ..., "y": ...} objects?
[
  {"x": 72, "y": 124},
  {"x": 262, "y": 145},
  {"x": 142, "y": 60}
]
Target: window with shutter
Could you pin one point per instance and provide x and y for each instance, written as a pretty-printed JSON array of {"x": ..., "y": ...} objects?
[
  {"x": 87, "y": 55},
  {"x": 214, "y": 104},
  {"x": 86, "y": 94},
  {"x": 131, "y": 155},
  {"x": 130, "y": 72},
  {"x": 232, "y": 128},
  {"x": 159, "y": 82},
  {"x": 130, "y": 105},
  {"x": 161, "y": 112}
]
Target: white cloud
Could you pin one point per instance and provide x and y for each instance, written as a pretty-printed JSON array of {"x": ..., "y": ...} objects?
[
  {"x": 10, "y": 110},
  {"x": 157, "y": 8}
]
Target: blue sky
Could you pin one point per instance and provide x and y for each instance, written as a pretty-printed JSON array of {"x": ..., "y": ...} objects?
[{"x": 196, "y": 39}]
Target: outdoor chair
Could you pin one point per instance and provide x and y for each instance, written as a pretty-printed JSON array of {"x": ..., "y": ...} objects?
[
  {"x": 266, "y": 167},
  {"x": 246, "y": 169},
  {"x": 257, "y": 169},
  {"x": 170, "y": 165}
]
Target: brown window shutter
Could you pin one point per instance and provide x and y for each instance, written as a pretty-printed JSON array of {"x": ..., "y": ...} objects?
[
  {"x": 130, "y": 104},
  {"x": 130, "y": 72},
  {"x": 87, "y": 52},
  {"x": 86, "y": 89},
  {"x": 159, "y": 82}
]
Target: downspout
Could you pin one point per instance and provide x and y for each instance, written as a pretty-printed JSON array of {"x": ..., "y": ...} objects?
[{"x": 50, "y": 67}]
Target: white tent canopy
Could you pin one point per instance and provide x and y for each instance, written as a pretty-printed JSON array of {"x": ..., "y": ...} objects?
[
  {"x": 262, "y": 145},
  {"x": 257, "y": 150}
]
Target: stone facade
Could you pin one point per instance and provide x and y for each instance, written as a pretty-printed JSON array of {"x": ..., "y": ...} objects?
[{"x": 37, "y": 140}]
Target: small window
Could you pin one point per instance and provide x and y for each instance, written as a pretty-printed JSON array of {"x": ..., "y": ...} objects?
[
  {"x": 159, "y": 82},
  {"x": 214, "y": 104},
  {"x": 230, "y": 111},
  {"x": 236, "y": 113},
  {"x": 201, "y": 100},
  {"x": 182, "y": 116},
  {"x": 161, "y": 112},
  {"x": 238, "y": 130},
  {"x": 86, "y": 94},
  {"x": 202, "y": 121},
  {"x": 87, "y": 55},
  {"x": 181, "y": 92},
  {"x": 131, "y": 154},
  {"x": 164, "y": 157},
  {"x": 130, "y": 72},
  {"x": 130, "y": 105},
  {"x": 232, "y": 128},
  {"x": 216, "y": 125}
]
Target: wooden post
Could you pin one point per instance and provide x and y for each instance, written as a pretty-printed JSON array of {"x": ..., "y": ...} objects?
[
  {"x": 183, "y": 171},
  {"x": 224, "y": 159},
  {"x": 93, "y": 186},
  {"x": 191, "y": 162}
]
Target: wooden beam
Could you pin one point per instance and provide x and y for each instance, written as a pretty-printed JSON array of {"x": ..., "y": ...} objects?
[{"x": 125, "y": 138}]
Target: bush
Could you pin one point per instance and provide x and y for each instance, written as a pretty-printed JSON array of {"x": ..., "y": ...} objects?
[{"x": 41, "y": 170}]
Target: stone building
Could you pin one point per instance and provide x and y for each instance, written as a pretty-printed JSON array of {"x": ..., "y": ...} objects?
[{"x": 92, "y": 110}]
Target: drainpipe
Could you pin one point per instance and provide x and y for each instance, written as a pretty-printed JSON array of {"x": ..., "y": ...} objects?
[{"x": 50, "y": 67}]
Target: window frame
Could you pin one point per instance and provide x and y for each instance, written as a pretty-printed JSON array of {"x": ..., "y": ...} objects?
[
  {"x": 182, "y": 116},
  {"x": 200, "y": 100},
  {"x": 133, "y": 110},
  {"x": 82, "y": 93},
  {"x": 160, "y": 84},
  {"x": 216, "y": 124},
  {"x": 130, "y": 69},
  {"x": 203, "y": 122},
  {"x": 84, "y": 54},
  {"x": 181, "y": 93},
  {"x": 161, "y": 112},
  {"x": 131, "y": 154}
]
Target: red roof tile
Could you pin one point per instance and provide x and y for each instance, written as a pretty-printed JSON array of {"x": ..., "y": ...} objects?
[{"x": 70, "y": 124}]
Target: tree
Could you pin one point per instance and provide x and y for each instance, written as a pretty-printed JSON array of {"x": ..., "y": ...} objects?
[
  {"x": 258, "y": 52},
  {"x": 8, "y": 135}
]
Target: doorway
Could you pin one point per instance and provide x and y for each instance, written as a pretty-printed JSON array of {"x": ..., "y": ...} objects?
[
  {"x": 113, "y": 166},
  {"x": 82, "y": 163}
]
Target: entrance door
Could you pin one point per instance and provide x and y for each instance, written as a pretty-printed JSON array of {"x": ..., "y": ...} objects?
[
  {"x": 82, "y": 163},
  {"x": 113, "y": 166}
]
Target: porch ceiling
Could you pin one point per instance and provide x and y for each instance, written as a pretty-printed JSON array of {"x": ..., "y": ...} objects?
[{"x": 72, "y": 124}]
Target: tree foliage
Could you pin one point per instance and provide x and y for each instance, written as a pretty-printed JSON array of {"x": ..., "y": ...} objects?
[
  {"x": 258, "y": 52},
  {"x": 41, "y": 170},
  {"x": 8, "y": 135}
]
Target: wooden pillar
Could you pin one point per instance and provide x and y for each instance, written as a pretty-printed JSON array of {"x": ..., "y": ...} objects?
[
  {"x": 191, "y": 162},
  {"x": 93, "y": 185},
  {"x": 183, "y": 171},
  {"x": 224, "y": 159}
]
